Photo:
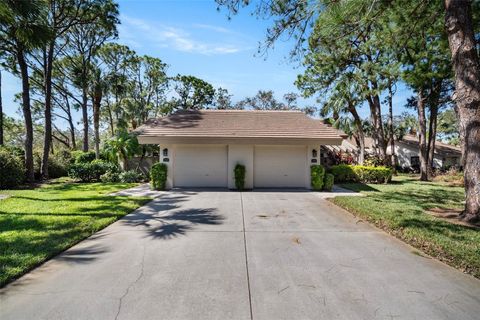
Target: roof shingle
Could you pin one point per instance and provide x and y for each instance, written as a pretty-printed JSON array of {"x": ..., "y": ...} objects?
[{"x": 239, "y": 124}]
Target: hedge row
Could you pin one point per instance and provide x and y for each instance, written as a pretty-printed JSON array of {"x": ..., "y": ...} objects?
[
  {"x": 89, "y": 172},
  {"x": 364, "y": 174}
]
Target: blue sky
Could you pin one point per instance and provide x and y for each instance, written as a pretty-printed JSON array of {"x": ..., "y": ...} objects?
[{"x": 193, "y": 38}]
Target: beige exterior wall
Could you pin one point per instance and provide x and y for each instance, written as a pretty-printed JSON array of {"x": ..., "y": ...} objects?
[{"x": 296, "y": 159}]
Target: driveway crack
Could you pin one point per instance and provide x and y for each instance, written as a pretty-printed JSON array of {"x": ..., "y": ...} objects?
[
  {"x": 127, "y": 291},
  {"x": 246, "y": 258}
]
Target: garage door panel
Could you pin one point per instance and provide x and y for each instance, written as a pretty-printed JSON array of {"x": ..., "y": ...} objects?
[
  {"x": 200, "y": 166},
  {"x": 280, "y": 166}
]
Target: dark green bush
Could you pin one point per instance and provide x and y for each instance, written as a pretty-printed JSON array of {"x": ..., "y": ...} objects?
[
  {"x": 368, "y": 174},
  {"x": 328, "y": 182},
  {"x": 158, "y": 176},
  {"x": 12, "y": 169},
  {"x": 130, "y": 176},
  {"x": 89, "y": 172},
  {"x": 82, "y": 157},
  {"x": 317, "y": 173},
  {"x": 110, "y": 176},
  {"x": 239, "y": 173},
  {"x": 364, "y": 174},
  {"x": 58, "y": 164},
  {"x": 343, "y": 173}
]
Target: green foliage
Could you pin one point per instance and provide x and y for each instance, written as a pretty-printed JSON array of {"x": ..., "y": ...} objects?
[
  {"x": 122, "y": 147},
  {"x": 158, "y": 176},
  {"x": 343, "y": 172},
  {"x": 364, "y": 174},
  {"x": 239, "y": 173},
  {"x": 317, "y": 173},
  {"x": 89, "y": 172},
  {"x": 373, "y": 161},
  {"x": 130, "y": 176},
  {"x": 193, "y": 93},
  {"x": 12, "y": 169},
  {"x": 328, "y": 182},
  {"x": 367, "y": 174},
  {"x": 82, "y": 157},
  {"x": 58, "y": 164},
  {"x": 110, "y": 176}
]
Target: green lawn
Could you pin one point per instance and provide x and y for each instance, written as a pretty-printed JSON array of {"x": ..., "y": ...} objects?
[
  {"x": 39, "y": 223},
  {"x": 399, "y": 208}
]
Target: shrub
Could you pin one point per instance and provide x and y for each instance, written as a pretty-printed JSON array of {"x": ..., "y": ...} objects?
[
  {"x": 239, "y": 173},
  {"x": 158, "y": 176},
  {"x": 364, "y": 174},
  {"x": 88, "y": 172},
  {"x": 343, "y": 173},
  {"x": 317, "y": 173},
  {"x": 368, "y": 174},
  {"x": 82, "y": 157},
  {"x": 373, "y": 160},
  {"x": 328, "y": 182},
  {"x": 12, "y": 169},
  {"x": 110, "y": 176},
  {"x": 130, "y": 176}
]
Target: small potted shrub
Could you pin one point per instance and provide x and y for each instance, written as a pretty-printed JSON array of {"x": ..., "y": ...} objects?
[
  {"x": 158, "y": 176},
  {"x": 317, "y": 173},
  {"x": 239, "y": 173}
]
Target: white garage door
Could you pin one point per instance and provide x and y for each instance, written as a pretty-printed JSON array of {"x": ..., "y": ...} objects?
[
  {"x": 200, "y": 166},
  {"x": 280, "y": 166}
]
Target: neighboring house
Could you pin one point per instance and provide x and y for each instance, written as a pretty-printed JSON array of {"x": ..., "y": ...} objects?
[
  {"x": 407, "y": 149},
  {"x": 201, "y": 148}
]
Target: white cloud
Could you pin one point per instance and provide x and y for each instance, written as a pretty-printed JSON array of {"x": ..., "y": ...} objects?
[
  {"x": 174, "y": 38},
  {"x": 213, "y": 28}
]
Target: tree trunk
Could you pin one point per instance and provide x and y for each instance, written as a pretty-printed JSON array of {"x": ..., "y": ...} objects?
[
  {"x": 85, "y": 119},
  {"x": 432, "y": 135},
  {"x": 72, "y": 130},
  {"x": 1, "y": 112},
  {"x": 465, "y": 60},
  {"x": 48, "y": 111},
  {"x": 422, "y": 130},
  {"x": 110, "y": 119},
  {"x": 393, "y": 161},
  {"x": 96, "y": 101},
  {"x": 377, "y": 126},
  {"x": 360, "y": 134},
  {"x": 382, "y": 146},
  {"x": 27, "y": 115}
]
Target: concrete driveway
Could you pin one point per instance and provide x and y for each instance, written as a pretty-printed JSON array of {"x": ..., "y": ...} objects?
[{"x": 253, "y": 255}]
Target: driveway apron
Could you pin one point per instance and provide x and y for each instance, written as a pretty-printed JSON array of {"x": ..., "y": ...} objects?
[{"x": 211, "y": 254}]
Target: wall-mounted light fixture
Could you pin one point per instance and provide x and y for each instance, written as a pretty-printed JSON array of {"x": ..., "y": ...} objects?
[
  {"x": 314, "y": 153},
  {"x": 165, "y": 152}
]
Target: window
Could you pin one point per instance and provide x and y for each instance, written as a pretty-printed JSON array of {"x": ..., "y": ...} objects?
[{"x": 415, "y": 161}]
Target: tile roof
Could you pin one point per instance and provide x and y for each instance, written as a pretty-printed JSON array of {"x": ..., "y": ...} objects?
[
  {"x": 239, "y": 124},
  {"x": 440, "y": 147},
  {"x": 412, "y": 140}
]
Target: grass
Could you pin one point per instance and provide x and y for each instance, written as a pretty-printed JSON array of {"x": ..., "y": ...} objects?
[
  {"x": 399, "y": 208},
  {"x": 39, "y": 223}
]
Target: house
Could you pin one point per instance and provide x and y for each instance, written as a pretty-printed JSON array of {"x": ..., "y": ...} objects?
[
  {"x": 407, "y": 149},
  {"x": 406, "y": 152},
  {"x": 201, "y": 148}
]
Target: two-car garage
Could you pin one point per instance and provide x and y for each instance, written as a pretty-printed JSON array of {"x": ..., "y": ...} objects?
[
  {"x": 273, "y": 166},
  {"x": 201, "y": 148}
]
